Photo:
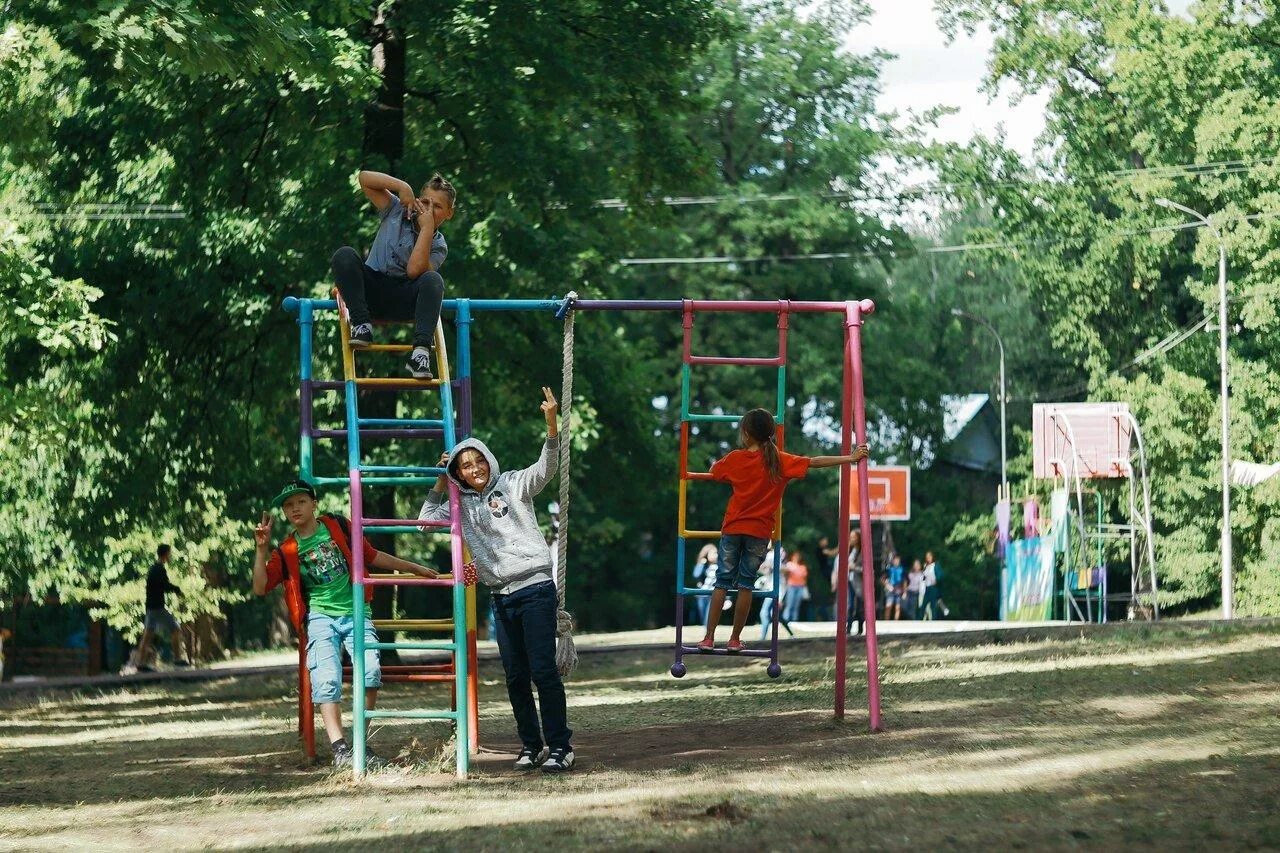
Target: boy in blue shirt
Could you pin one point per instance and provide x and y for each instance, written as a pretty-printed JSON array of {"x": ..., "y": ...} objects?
[
  {"x": 400, "y": 279},
  {"x": 893, "y": 588}
]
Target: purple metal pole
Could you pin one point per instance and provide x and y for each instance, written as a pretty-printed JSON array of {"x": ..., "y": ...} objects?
[
  {"x": 853, "y": 324},
  {"x": 380, "y": 433}
]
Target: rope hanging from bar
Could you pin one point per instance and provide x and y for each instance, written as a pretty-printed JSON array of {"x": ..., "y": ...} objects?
[{"x": 566, "y": 653}]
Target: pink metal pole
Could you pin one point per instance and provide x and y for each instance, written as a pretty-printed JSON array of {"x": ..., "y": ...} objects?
[
  {"x": 853, "y": 376},
  {"x": 842, "y": 560}
]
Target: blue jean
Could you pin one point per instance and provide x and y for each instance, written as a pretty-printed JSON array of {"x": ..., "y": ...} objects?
[
  {"x": 326, "y": 637},
  {"x": 791, "y": 603},
  {"x": 527, "y": 644},
  {"x": 740, "y": 559}
]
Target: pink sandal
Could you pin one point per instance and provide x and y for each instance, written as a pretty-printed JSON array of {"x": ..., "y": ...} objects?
[
  {"x": 707, "y": 644},
  {"x": 734, "y": 646}
]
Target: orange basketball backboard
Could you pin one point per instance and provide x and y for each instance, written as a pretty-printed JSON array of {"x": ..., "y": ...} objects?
[{"x": 889, "y": 493}]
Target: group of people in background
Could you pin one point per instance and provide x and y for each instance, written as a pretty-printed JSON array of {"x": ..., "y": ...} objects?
[{"x": 902, "y": 593}]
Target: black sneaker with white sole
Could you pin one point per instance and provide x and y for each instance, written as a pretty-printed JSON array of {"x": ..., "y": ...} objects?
[
  {"x": 559, "y": 761},
  {"x": 530, "y": 759},
  {"x": 361, "y": 336},
  {"x": 420, "y": 365}
]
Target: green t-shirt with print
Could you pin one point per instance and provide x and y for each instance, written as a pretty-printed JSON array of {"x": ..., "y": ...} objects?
[{"x": 325, "y": 574}]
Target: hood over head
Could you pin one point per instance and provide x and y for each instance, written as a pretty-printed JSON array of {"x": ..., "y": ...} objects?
[{"x": 473, "y": 444}]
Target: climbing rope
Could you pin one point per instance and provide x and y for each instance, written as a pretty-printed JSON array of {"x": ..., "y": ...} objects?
[{"x": 566, "y": 653}]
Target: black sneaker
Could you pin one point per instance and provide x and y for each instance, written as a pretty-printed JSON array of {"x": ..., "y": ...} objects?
[
  {"x": 342, "y": 756},
  {"x": 530, "y": 759},
  {"x": 420, "y": 365},
  {"x": 559, "y": 761},
  {"x": 361, "y": 336},
  {"x": 182, "y": 664}
]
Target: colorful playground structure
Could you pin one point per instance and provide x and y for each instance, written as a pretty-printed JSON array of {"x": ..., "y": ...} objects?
[
  {"x": 455, "y": 423},
  {"x": 1090, "y": 526}
]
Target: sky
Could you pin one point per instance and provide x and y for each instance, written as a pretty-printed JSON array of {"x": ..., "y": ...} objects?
[{"x": 930, "y": 72}]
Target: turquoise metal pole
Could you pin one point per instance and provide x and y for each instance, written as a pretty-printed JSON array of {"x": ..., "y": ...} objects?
[
  {"x": 359, "y": 722},
  {"x": 306, "y": 327}
]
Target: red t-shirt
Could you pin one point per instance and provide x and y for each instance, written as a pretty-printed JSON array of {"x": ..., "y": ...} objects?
[{"x": 753, "y": 508}]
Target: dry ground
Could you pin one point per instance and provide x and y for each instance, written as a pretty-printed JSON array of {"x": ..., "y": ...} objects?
[{"x": 1139, "y": 738}]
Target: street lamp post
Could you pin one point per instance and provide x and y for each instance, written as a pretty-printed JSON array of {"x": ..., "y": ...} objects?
[
  {"x": 1227, "y": 585},
  {"x": 1004, "y": 458}
]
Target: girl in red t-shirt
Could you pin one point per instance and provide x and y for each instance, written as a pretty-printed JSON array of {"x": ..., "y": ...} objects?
[{"x": 758, "y": 473}]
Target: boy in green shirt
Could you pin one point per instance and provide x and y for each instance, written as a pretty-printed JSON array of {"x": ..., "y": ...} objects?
[{"x": 318, "y": 553}]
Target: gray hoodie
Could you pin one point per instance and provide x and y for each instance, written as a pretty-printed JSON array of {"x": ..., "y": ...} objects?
[{"x": 500, "y": 526}]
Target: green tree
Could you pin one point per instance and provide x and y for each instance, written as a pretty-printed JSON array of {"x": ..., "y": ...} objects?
[{"x": 1135, "y": 93}]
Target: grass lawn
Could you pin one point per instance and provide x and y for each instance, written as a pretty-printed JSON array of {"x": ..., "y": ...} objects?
[{"x": 1135, "y": 737}]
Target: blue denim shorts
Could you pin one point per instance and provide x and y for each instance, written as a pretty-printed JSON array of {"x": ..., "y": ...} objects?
[
  {"x": 326, "y": 637},
  {"x": 740, "y": 559}
]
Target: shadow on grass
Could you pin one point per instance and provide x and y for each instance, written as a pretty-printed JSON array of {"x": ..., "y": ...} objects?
[{"x": 1103, "y": 751}]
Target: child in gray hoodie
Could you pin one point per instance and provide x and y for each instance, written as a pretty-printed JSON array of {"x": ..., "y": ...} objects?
[{"x": 512, "y": 558}]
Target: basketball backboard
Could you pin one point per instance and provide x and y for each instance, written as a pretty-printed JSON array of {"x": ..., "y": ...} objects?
[
  {"x": 1097, "y": 435},
  {"x": 889, "y": 493}
]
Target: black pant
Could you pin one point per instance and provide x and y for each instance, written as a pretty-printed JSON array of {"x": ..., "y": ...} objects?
[
  {"x": 855, "y": 611},
  {"x": 527, "y": 642},
  {"x": 368, "y": 293}
]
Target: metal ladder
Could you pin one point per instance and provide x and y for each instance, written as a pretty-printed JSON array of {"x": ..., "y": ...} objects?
[
  {"x": 459, "y": 671},
  {"x": 687, "y": 420}
]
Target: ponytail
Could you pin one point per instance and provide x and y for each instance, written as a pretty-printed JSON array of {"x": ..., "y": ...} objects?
[
  {"x": 759, "y": 426},
  {"x": 772, "y": 463}
]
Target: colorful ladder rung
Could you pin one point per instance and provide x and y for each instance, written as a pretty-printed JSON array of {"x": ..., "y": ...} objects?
[{"x": 414, "y": 624}]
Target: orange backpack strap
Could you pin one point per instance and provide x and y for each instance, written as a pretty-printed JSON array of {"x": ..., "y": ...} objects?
[{"x": 293, "y": 594}]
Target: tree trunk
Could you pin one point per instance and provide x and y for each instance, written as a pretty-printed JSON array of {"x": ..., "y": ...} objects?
[{"x": 383, "y": 148}]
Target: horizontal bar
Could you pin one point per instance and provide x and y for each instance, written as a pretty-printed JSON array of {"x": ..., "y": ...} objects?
[
  {"x": 714, "y": 419},
  {"x": 418, "y": 678},
  {"x": 380, "y": 433},
  {"x": 698, "y": 475},
  {"x": 414, "y": 624},
  {"x": 755, "y": 593},
  {"x": 706, "y": 306},
  {"x": 725, "y": 359},
  {"x": 745, "y": 653},
  {"x": 384, "y": 348},
  {"x": 409, "y": 669},
  {"x": 341, "y": 385},
  {"x": 399, "y": 469},
  {"x": 391, "y": 529},
  {"x": 395, "y": 382},
  {"x": 406, "y": 580},
  {"x": 403, "y": 522},
  {"x": 699, "y": 534},
  {"x": 413, "y": 715},
  {"x": 374, "y": 481},
  {"x": 399, "y": 422},
  {"x": 416, "y": 645}
]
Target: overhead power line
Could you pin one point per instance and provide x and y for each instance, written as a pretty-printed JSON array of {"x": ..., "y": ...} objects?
[
  {"x": 928, "y": 250},
  {"x": 1205, "y": 169},
  {"x": 45, "y": 210},
  {"x": 1164, "y": 346}
]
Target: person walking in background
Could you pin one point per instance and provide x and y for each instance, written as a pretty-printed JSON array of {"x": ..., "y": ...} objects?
[
  {"x": 894, "y": 587},
  {"x": 158, "y": 618},
  {"x": 797, "y": 574},
  {"x": 933, "y": 603},
  {"x": 915, "y": 589},
  {"x": 704, "y": 572},
  {"x": 855, "y": 584},
  {"x": 764, "y": 583},
  {"x": 826, "y": 565}
]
